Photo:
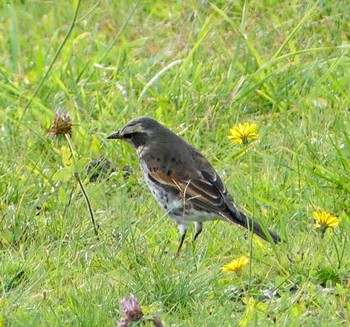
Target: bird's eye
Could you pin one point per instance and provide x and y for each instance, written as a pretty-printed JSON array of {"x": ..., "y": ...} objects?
[{"x": 127, "y": 136}]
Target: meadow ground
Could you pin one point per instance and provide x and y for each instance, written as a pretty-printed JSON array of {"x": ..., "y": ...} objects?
[{"x": 199, "y": 67}]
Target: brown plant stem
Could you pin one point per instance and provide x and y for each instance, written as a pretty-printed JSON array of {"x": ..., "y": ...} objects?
[{"x": 86, "y": 196}]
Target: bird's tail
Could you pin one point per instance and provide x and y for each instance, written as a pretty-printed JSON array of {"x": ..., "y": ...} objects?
[{"x": 242, "y": 219}]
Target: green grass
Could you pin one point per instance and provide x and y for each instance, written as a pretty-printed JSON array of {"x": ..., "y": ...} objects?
[{"x": 200, "y": 67}]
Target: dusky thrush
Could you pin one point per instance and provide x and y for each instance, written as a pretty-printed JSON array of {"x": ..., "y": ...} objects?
[{"x": 182, "y": 180}]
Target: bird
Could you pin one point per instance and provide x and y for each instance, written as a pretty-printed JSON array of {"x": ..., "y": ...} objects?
[{"x": 182, "y": 180}]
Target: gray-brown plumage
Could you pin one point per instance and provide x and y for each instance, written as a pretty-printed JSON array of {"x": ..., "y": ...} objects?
[{"x": 182, "y": 181}]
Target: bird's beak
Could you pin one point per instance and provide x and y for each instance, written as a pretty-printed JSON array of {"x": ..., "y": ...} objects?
[{"x": 115, "y": 135}]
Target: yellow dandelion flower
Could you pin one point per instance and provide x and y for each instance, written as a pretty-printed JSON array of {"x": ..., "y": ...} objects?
[
  {"x": 236, "y": 264},
  {"x": 324, "y": 220},
  {"x": 242, "y": 133}
]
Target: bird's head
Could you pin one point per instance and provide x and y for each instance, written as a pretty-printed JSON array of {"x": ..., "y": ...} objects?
[{"x": 137, "y": 131}]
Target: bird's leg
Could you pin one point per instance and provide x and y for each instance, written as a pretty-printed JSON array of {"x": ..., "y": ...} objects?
[
  {"x": 183, "y": 231},
  {"x": 180, "y": 245},
  {"x": 198, "y": 227}
]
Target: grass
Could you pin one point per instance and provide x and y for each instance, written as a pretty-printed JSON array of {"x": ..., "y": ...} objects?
[{"x": 199, "y": 67}]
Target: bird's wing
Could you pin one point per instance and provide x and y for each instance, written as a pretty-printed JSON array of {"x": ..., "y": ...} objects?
[{"x": 203, "y": 187}]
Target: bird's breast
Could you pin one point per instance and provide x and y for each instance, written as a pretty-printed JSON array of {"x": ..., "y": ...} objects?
[{"x": 166, "y": 197}]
